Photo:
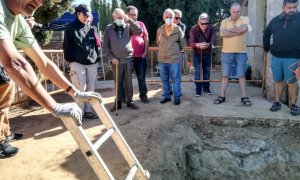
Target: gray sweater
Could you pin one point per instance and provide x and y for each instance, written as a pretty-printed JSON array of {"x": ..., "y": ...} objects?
[{"x": 120, "y": 49}]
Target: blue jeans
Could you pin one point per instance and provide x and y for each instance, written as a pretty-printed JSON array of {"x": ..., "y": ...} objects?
[
  {"x": 167, "y": 72},
  {"x": 229, "y": 58},
  {"x": 140, "y": 66},
  {"x": 181, "y": 54},
  {"x": 206, "y": 63}
]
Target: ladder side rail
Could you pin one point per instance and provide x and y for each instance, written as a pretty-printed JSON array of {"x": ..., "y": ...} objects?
[
  {"x": 88, "y": 150},
  {"x": 119, "y": 139}
]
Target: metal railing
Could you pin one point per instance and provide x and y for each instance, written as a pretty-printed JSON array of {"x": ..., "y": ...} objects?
[
  {"x": 57, "y": 56},
  {"x": 186, "y": 64}
]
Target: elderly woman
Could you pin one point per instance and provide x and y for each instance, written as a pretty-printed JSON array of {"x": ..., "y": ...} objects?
[{"x": 170, "y": 41}]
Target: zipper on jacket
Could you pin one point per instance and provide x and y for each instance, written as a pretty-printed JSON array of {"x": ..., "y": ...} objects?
[{"x": 285, "y": 23}]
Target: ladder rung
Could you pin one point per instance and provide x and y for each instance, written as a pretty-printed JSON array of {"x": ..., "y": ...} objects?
[
  {"x": 132, "y": 172},
  {"x": 104, "y": 138}
]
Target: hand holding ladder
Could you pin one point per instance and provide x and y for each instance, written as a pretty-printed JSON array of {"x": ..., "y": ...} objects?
[{"x": 89, "y": 150}]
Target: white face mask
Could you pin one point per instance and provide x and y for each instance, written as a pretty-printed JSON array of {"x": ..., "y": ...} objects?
[
  {"x": 119, "y": 22},
  {"x": 168, "y": 21}
]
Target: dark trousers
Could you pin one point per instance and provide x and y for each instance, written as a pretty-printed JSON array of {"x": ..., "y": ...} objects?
[
  {"x": 205, "y": 59},
  {"x": 140, "y": 66},
  {"x": 124, "y": 80}
]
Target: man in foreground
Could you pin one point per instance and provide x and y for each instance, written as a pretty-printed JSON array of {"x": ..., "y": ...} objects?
[{"x": 16, "y": 34}]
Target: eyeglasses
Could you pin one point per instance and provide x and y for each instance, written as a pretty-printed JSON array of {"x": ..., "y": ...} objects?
[
  {"x": 177, "y": 18},
  {"x": 131, "y": 14},
  {"x": 204, "y": 24}
]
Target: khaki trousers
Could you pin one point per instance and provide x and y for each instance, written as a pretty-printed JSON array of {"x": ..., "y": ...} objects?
[{"x": 6, "y": 98}]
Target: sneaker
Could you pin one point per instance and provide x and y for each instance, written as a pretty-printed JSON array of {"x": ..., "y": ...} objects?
[
  {"x": 295, "y": 110},
  {"x": 198, "y": 94},
  {"x": 275, "y": 107},
  {"x": 14, "y": 137},
  {"x": 145, "y": 100},
  {"x": 6, "y": 150},
  {"x": 208, "y": 91},
  {"x": 90, "y": 115}
]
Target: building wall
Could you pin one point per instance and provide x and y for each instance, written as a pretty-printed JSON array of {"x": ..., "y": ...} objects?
[{"x": 256, "y": 13}]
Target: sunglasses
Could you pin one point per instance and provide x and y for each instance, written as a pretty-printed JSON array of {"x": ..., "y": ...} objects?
[
  {"x": 131, "y": 14},
  {"x": 204, "y": 24},
  {"x": 177, "y": 18}
]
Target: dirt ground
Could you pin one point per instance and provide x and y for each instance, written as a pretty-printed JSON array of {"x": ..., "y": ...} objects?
[{"x": 48, "y": 151}]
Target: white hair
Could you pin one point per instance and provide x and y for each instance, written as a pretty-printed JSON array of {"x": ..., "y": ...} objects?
[
  {"x": 170, "y": 11},
  {"x": 203, "y": 16},
  {"x": 177, "y": 11},
  {"x": 118, "y": 11}
]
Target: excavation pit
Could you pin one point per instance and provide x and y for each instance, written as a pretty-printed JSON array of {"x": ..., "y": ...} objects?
[{"x": 194, "y": 147}]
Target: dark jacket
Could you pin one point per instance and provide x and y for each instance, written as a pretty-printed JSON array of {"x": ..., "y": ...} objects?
[
  {"x": 80, "y": 44},
  {"x": 197, "y": 36},
  {"x": 285, "y": 31},
  {"x": 182, "y": 26},
  {"x": 120, "y": 49}
]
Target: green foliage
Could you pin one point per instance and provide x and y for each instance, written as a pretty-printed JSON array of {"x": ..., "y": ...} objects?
[
  {"x": 104, "y": 10},
  {"x": 47, "y": 13},
  {"x": 114, "y": 4}
]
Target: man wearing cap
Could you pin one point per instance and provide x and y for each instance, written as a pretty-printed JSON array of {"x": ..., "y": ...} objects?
[
  {"x": 81, "y": 51},
  {"x": 16, "y": 34}
]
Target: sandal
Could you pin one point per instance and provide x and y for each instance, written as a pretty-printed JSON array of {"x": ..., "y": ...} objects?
[
  {"x": 219, "y": 100},
  {"x": 246, "y": 101}
]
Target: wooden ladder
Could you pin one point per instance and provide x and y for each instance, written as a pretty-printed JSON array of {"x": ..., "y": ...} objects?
[{"x": 89, "y": 150}]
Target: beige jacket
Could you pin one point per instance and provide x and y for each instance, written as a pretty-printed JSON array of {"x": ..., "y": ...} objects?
[{"x": 169, "y": 47}]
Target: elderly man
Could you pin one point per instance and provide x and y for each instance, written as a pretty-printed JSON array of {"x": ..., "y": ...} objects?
[
  {"x": 118, "y": 48},
  {"x": 16, "y": 34},
  {"x": 169, "y": 38},
  {"x": 233, "y": 30},
  {"x": 81, "y": 51},
  {"x": 285, "y": 51},
  {"x": 140, "y": 45},
  {"x": 177, "y": 20},
  {"x": 202, "y": 39}
]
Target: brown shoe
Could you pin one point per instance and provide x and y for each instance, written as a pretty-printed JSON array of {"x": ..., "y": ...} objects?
[
  {"x": 113, "y": 109},
  {"x": 132, "y": 106}
]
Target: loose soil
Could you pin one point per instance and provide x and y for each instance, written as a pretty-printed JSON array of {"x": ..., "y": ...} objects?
[{"x": 156, "y": 133}]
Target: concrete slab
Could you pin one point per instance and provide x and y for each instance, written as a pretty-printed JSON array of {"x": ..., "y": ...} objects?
[{"x": 232, "y": 109}]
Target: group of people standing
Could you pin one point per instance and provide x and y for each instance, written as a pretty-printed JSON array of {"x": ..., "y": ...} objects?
[{"x": 125, "y": 44}]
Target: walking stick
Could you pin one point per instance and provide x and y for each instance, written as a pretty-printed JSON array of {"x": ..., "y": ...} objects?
[{"x": 117, "y": 77}]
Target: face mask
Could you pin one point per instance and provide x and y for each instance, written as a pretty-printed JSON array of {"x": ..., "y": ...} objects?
[
  {"x": 168, "y": 21},
  {"x": 119, "y": 22}
]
